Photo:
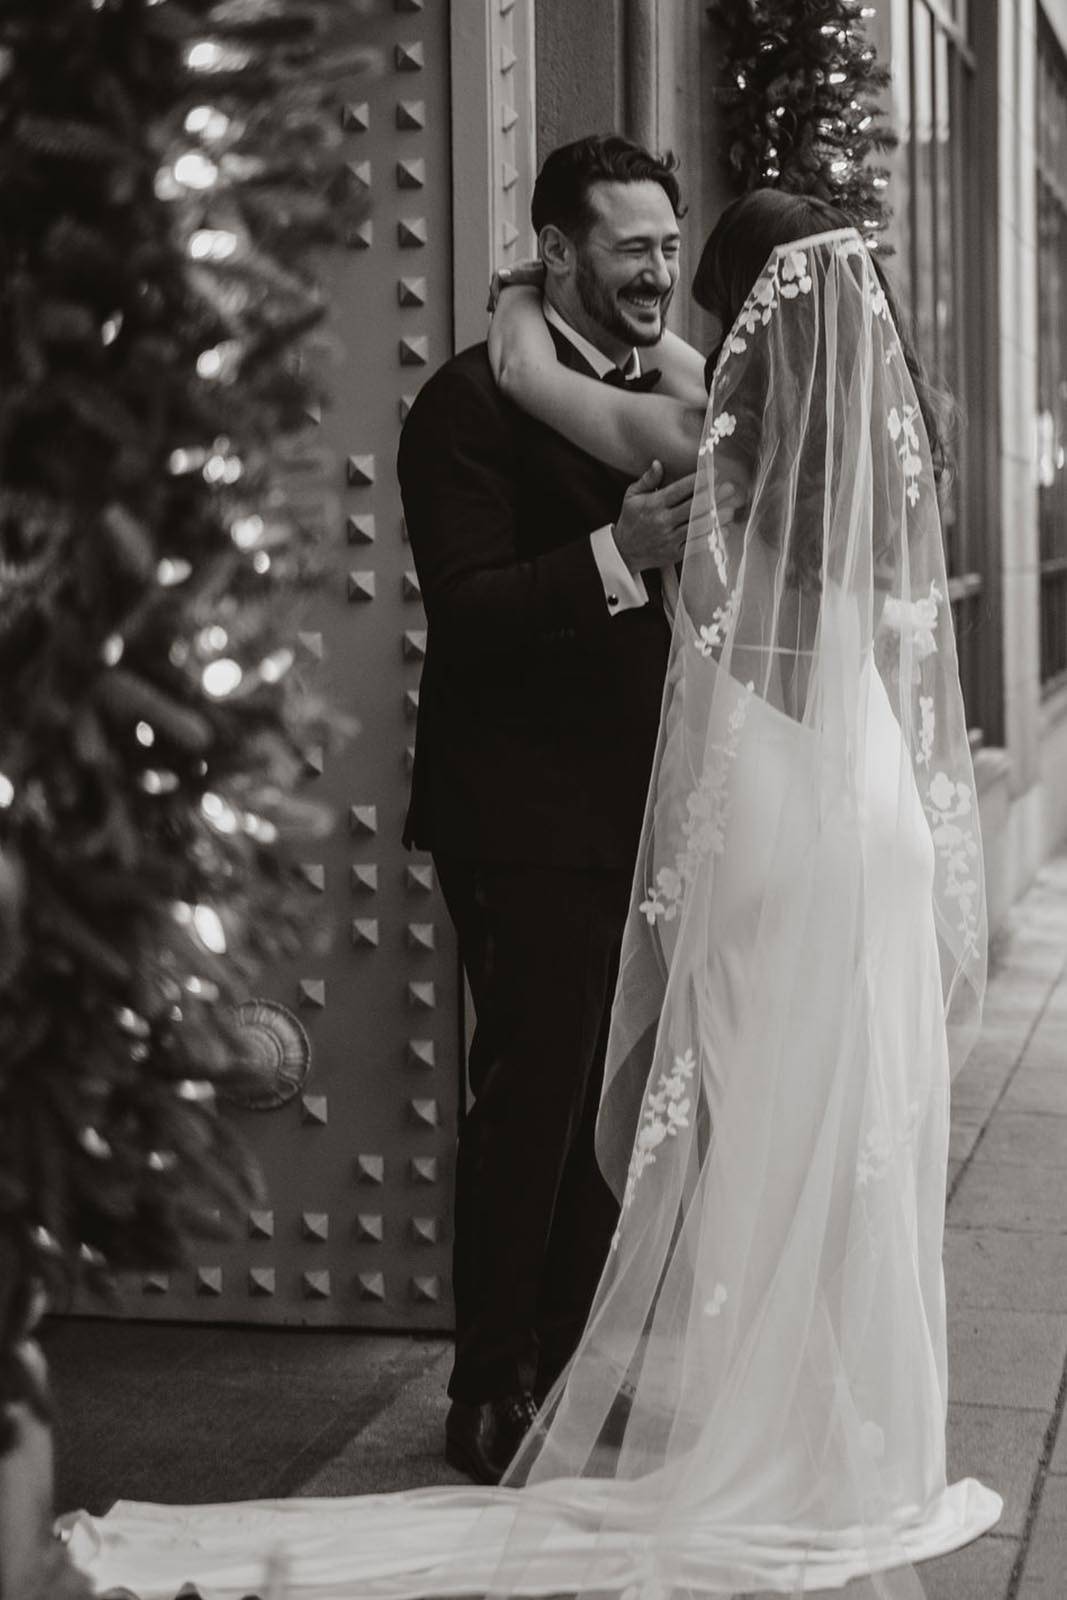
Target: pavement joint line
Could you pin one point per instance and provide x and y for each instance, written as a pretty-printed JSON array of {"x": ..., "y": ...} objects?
[
  {"x": 1017, "y": 1233},
  {"x": 965, "y": 1164},
  {"x": 999, "y": 1405},
  {"x": 1038, "y": 1489}
]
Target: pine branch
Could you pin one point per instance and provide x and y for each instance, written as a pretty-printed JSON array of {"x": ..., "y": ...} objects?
[
  {"x": 801, "y": 98},
  {"x": 166, "y": 173}
]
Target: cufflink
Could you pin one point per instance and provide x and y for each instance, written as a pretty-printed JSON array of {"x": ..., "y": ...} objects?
[{"x": 613, "y": 600}]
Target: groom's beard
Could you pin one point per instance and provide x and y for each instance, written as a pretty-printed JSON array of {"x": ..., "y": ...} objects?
[{"x": 603, "y": 307}]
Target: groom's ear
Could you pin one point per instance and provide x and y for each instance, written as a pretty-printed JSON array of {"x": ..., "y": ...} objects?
[{"x": 556, "y": 251}]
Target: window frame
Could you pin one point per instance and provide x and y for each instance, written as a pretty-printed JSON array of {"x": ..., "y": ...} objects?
[
  {"x": 1051, "y": 188},
  {"x": 963, "y": 171}
]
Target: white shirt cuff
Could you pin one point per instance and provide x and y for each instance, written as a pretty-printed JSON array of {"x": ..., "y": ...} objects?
[{"x": 623, "y": 589}]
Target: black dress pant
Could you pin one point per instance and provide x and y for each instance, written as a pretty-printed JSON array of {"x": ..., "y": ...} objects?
[{"x": 533, "y": 1216}]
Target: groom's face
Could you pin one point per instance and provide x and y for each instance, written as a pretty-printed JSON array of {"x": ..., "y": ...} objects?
[{"x": 626, "y": 265}]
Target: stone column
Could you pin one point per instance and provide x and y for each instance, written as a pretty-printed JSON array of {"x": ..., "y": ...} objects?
[
  {"x": 579, "y": 54},
  {"x": 646, "y": 68}
]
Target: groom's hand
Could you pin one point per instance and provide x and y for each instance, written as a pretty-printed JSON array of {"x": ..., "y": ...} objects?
[{"x": 651, "y": 527}]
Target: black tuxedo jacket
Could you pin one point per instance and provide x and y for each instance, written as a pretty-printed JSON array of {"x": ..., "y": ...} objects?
[{"x": 538, "y": 709}]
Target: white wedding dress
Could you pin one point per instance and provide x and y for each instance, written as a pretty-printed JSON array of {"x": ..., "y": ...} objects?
[{"x": 758, "y": 1402}]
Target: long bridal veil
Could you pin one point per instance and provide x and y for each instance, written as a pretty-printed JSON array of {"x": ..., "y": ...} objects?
[{"x": 758, "y": 1402}]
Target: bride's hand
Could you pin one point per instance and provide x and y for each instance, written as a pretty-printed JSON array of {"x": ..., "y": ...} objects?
[{"x": 522, "y": 273}]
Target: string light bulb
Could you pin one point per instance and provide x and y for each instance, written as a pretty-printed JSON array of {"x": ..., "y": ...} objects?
[
  {"x": 156, "y": 782},
  {"x": 219, "y": 813},
  {"x": 208, "y": 122},
  {"x": 195, "y": 170},
  {"x": 207, "y": 55},
  {"x": 204, "y": 56},
  {"x": 259, "y": 828},
  {"x": 209, "y": 929},
  {"x": 94, "y": 1145},
  {"x": 196, "y": 1090},
  {"x": 246, "y": 532},
  {"x": 221, "y": 678},
  {"x": 172, "y": 570},
  {"x": 274, "y": 667},
  {"x": 219, "y": 468},
  {"x": 182, "y": 461},
  {"x": 221, "y": 362},
  {"x": 201, "y": 988},
  {"x": 212, "y": 244},
  {"x": 131, "y": 1021}
]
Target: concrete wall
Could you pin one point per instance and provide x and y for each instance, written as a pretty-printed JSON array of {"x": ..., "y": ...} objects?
[
  {"x": 647, "y": 68},
  {"x": 579, "y": 55},
  {"x": 689, "y": 75}
]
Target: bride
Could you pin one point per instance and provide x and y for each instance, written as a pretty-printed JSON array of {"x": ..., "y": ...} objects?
[{"x": 757, "y": 1405}]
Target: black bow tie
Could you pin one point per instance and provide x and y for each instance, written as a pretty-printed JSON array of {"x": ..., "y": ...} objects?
[{"x": 640, "y": 385}]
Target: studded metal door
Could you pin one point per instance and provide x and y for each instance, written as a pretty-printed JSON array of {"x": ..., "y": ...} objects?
[{"x": 358, "y": 1160}]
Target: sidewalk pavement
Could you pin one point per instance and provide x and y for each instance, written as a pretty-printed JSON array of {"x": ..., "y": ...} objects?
[
  {"x": 1006, "y": 1262},
  {"x": 183, "y": 1413}
]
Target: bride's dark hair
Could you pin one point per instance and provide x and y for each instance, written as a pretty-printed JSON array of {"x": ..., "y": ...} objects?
[{"x": 736, "y": 253}]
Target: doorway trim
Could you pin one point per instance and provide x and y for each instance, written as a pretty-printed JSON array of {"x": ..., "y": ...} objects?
[{"x": 494, "y": 122}]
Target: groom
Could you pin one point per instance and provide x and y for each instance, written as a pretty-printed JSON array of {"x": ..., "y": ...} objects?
[{"x": 538, "y": 713}]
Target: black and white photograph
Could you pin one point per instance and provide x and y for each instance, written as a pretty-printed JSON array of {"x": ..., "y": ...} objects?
[{"x": 533, "y": 799}]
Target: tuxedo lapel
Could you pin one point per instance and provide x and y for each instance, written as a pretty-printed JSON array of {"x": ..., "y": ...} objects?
[{"x": 569, "y": 355}]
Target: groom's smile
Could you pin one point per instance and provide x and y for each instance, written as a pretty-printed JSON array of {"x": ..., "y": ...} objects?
[{"x": 625, "y": 266}]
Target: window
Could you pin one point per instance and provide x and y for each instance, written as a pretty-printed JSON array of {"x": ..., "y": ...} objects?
[
  {"x": 940, "y": 268},
  {"x": 1051, "y": 144}
]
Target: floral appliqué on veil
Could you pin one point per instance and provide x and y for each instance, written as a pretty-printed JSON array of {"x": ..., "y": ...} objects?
[
  {"x": 787, "y": 278},
  {"x": 879, "y": 1147},
  {"x": 667, "y": 1109},
  {"x": 704, "y": 828},
  {"x": 949, "y": 805}
]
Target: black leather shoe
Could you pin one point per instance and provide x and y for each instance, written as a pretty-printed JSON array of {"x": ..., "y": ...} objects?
[{"x": 481, "y": 1440}]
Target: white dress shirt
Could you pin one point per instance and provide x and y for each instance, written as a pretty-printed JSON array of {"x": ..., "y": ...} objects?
[{"x": 623, "y": 589}]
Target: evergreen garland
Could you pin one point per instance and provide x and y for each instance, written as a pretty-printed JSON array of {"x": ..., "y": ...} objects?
[
  {"x": 801, "y": 103},
  {"x": 166, "y": 170}
]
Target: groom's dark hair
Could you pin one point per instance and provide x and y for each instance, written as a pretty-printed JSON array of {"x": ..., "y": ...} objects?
[{"x": 561, "y": 193}]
